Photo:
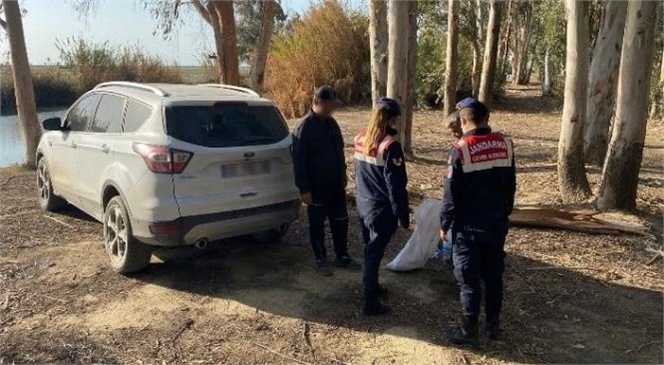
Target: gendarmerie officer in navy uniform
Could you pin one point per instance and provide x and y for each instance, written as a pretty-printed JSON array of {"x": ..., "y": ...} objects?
[
  {"x": 320, "y": 175},
  {"x": 478, "y": 198},
  {"x": 382, "y": 199}
]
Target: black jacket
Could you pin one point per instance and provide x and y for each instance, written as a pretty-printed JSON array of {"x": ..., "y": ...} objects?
[
  {"x": 480, "y": 185},
  {"x": 318, "y": 155}
]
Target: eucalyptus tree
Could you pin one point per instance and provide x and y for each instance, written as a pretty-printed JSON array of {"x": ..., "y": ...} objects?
[{"x": 12, "y": 24}]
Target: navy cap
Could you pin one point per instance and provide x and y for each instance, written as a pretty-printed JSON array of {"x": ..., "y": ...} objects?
[
  {"x": 480, "y": 110},
  {"x": 391, "y": 105},
  {"x": 326, "y": 93}
]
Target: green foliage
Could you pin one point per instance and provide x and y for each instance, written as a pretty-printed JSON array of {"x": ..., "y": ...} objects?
[
  {"x": 432, "y": 45},
  {"x": 329, "y": 45},
  {"x": 249, "y": 20},
  {"x": 93, "y": 63}
]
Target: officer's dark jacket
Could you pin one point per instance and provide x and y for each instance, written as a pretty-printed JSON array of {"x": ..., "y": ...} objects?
[
  {"x": 318, "y": 154},
  {"x": 381, "y": 177},
  {"x": 480, "y": 184}
]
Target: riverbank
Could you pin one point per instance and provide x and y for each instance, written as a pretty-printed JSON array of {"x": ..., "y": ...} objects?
[{"x": 570, "y": 297}]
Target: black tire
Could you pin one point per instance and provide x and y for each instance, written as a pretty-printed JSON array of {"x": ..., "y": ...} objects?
[
  {"x": 48, "y": 201},
  {"x": 272, "y": 236},
  {"x": 126, "y": 254}
]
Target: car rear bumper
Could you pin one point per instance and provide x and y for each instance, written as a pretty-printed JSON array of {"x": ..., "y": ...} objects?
[{"x": 191, "y": 229}]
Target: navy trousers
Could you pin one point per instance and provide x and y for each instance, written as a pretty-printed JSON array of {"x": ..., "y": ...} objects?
[
  {"x": 476, "y": 260},
  {"x": 378, "y": 227}
]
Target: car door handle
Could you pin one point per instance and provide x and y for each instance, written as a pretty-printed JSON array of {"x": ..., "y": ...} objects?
[
  {"x": 248, "y": 194},
  {"x": 104, "y": 148}
]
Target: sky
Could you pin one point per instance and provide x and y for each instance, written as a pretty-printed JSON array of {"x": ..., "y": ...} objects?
[{"x": 120, "y": 22}]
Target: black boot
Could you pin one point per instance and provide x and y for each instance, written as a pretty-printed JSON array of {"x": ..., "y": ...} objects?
[
  {"x": 371, "y": 306},
  {"x": 492, "y": 328},
  {"x": 464, "y": 335}
]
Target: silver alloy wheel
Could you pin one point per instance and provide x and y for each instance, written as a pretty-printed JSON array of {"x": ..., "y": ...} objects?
[
  {"x": 115, "y": 234},
  {"x": 43, "y": 184}
]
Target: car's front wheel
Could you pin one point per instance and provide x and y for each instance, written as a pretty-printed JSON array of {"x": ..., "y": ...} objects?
[
  {"x": 48, "y": 201},
  {"x": 125, "y": 252}
]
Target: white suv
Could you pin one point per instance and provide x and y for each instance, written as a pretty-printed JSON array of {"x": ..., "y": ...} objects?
[{"x": 170, "y": 165}]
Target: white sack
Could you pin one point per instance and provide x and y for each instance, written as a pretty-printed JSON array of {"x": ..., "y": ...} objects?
[{"x": 423, "y": 243}]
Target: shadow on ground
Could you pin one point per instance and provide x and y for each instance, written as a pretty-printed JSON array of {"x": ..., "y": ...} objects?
[{"x": 552, "y": 315}]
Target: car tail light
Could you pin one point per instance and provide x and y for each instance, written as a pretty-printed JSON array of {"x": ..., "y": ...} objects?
[
  {"x": 163, "y": 160},
  {"x": 164, "y": 229}
]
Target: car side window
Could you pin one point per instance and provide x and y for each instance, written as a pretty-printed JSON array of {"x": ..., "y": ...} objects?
[
  {"x": 136, "y": 115},
  {"x": 108, "y": 118},
  {"x": 80, "y": 116}
]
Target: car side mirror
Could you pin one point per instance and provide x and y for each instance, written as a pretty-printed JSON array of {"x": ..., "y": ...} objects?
[{"x": 53, "y": 124}]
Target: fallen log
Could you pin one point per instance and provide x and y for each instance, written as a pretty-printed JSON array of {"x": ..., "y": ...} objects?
[{"x": 579, "y": 221}]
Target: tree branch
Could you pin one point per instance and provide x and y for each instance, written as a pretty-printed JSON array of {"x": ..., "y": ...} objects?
[
  {"x": 3, "y": 24},
  {"x": 202, "y": 10}
]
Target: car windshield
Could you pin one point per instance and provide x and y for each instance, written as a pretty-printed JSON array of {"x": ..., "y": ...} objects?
[{"x": 226, "y": 124}]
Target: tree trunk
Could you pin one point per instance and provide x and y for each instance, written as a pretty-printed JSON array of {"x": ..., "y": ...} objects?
[
  {"x": 522, "y": 43},
  {"x": 230, "y": 61},
  {"x": 490, "y": 53},
  {"x": 504, "y": 47},
  {"x": 23, "y": 89},
  {"x": 218, "y": 40},
  {"x": 546, "y": 82},
  {"x": 657, "y": 108},
  {"x": 572, "y": 178},
  {"x": 378, "y": 43},
  {"x": 263, "y": 46},
  {"x": 477, "y": 66},
  {"x": 620, "y": 177},
  {"x": 602, "y": 84},
  {"x": 397, "y": 65},
  {"x": 412, "y": 71},
  {"x": 449, "y": 100}
]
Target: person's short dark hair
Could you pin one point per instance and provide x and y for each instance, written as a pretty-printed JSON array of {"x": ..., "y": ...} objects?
[
  {"x": 453, "y": 120},
  {"x": 473, "y": 110},
  {"x": 326, "y": 93}
]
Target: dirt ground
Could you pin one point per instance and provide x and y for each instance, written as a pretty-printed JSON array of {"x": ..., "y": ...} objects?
[{"x": 570, "y": 297}]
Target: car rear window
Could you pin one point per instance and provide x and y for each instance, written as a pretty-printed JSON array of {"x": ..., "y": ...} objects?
[{"x": 226, "y": 125}]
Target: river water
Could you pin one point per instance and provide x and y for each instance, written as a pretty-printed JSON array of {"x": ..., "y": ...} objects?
[{"x": 12, "y": 150}]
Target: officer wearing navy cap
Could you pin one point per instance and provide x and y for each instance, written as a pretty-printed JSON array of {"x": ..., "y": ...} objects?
[
  {"x": 478, "y": 198},
  {"x": 320, "y": 175},
  {"x": 382, "y": 199}
]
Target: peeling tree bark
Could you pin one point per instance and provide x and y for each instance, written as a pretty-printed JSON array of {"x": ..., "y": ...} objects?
[
  {"x": 263, "y": 46},
  {"x": 572, "y": 178},
  {"x": 230, "y": 61},
  {"x": 412, "y": 70},
  {"x": 449, "y": 100},
  {"x": 603, "y": 81},
  {"x": 620, "y": 177},
  {"x": 378, "y": 44},
  {"x": 25, "y": 96},
  {"x": 546, "y": 82},
  {"x": 490, "y": 53},
  {"x": 397, "y": 75}
]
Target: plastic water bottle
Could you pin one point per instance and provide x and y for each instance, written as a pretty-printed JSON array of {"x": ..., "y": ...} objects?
[{"x": 444, "y": 251}]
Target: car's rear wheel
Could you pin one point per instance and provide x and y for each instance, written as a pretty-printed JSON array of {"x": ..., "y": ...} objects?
[
  {"x": 126, "y": 253},
  {"x": 48, "y": 201}
]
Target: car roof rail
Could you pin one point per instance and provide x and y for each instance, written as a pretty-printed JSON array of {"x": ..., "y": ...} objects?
[
  {"x": 245, "y": 90},
  {"x": 133, "y": 85}
]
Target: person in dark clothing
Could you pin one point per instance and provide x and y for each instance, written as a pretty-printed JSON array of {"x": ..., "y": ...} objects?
[
  {"x": 382, "y": 199},
  {"x": 478, "y": 198},
  {"x": 320, "y": 175}
]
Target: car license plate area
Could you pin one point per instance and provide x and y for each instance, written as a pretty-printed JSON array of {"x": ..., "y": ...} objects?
[{"x": 245, "y": 169}]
